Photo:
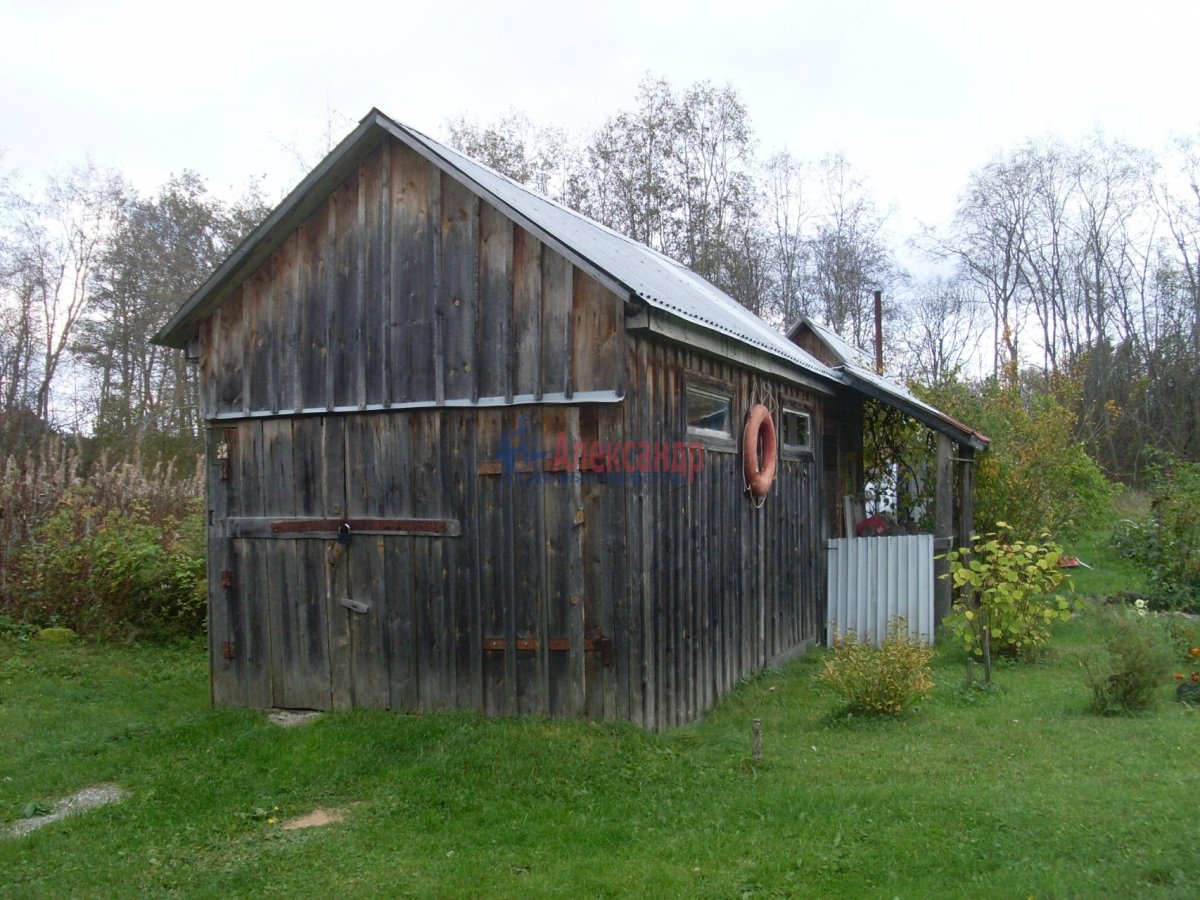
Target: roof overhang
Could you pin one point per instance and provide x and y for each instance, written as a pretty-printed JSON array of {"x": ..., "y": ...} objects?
[
  {"x": 725, "y": 328},
  {"x": 663, "y": 324},
  {"x": 855, "y": 373},
  {"x": 879, "y": 388}
]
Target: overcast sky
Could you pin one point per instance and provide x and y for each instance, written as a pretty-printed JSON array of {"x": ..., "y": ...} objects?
[{"x": 916, "y": 94}]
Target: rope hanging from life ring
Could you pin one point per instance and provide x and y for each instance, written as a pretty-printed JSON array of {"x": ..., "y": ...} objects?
[{"x": 760, "y": 474}]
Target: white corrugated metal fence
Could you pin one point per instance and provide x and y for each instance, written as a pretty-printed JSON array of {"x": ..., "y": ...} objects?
[{"x": 873, "y": 580}]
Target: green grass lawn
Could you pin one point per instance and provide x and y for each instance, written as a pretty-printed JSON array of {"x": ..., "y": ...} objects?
[{"x": 1015, "y": 793}]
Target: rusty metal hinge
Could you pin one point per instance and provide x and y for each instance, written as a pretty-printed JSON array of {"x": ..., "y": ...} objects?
[
  {"x": 227, "y": 579},
  {"x": 600, "y": 644},
  {"x": 227, "y": 649}
]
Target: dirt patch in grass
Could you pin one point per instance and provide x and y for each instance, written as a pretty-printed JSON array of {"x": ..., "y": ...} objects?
[{"x": 315, "y": 819}]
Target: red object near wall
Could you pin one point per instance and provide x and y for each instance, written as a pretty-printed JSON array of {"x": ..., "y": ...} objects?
[{"x": 872, "y": 526}]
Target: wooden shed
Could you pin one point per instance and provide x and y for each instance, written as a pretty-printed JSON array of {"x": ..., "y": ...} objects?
[{"x": 468, "y": 448}]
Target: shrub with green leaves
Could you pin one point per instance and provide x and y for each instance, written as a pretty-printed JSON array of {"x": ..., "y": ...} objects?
[
  {"x": 1036, "y": 474},
  {"x": 1166, "y": 545},
  {"x": 883, "y": 680},
  {"x": 1010, "y": 590},
  {"x": 1136, "y": 661},
  {"x": 113, "y": 574}
]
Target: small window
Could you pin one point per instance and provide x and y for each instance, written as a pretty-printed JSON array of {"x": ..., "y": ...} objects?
[
  {"x": 708, "y": 413},
  {"x": 797, "y": 430}
]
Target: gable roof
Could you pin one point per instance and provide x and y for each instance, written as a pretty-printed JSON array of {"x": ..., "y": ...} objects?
[
  {"x": 628, "y": 268},
  {"x": 857, "y": 371}
]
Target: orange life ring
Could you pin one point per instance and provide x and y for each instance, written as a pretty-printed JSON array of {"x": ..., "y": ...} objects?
[{"x": 759, "y": 476}]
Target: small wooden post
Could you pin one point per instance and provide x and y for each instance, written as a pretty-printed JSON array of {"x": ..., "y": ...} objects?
[
  {"x": 943, "y": 525},
  {"x": 756, "y": 740}
]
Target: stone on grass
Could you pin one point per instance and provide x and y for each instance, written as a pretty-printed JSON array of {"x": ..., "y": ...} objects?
[
  {"x": 290, "y": 718},
  {"x": 88, "y": 798}
]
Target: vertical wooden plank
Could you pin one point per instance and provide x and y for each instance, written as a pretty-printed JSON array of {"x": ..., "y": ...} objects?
[
  {"x": 591, "y": 536},
  {"x": 303, "y": 581},
  {"x": 210, "y": 354},
  {"x": 255, "y": 647},
  {"x": 286, "y": 317},
  {"x": 631, "y": 653},
  {"x": 462, "y": 561},
  {"x": 603, "y": 539},
  {"x": 943, "y": 527},
  {"x": 556, "y": 323},
  {"x": 527, "y": 314},
  {"x": 703, "y": 549},
  {"x": 564, "y": 517},
  {"x": 430, "y": 575},
  {"x": 458, "y": 298},
  {"x": 615, "y": 615},
  {"x": 966, "y": 495},
  {"x": 256, "y": 369},
  {"x": 274, "y": 558},
  {"x": 374, "y": 206},
  {"x": 312, "y": 341},
  {"x": 651, "y": 549},
  {"x": 398, "y": 567},
  {"x": 528, "y": 599},
  {"x": 370, "y": 679},
  {"x": 416, "y": 236},
  {"x": 231, "y": 339},
  {"x": 504, "y": 546},
  {"x": 225, "y": 685},
  {"x": 366, "y": 471},
  {"x": 307, "y": 578},
  {"x": 492, "y": 588},
  {"x": 252, "y": 576},
  {"x": 403, "y": 241},
  {"x": 494, "y": 327},
  {"x": 387, "y": 286},
  {"x": 596, "y": 333},
  {"x": 333, "y": 482},
  {"x": 346, "y": 305}
]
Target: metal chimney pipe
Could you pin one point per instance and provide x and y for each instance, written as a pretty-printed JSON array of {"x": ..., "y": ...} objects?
[{"x": 879, "y": 332}]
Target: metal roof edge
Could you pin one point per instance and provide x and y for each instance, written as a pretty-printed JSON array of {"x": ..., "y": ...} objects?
[
  {"x": 668, "y": 325},
  {"x": 421, "y": 144},
  {"x": 315, "y": 188},
  {"x": 917, "y": 409}
]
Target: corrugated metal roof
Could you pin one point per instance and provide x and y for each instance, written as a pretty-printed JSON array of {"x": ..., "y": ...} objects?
[
  {"x": 660, "y": 282},
  {"x": 857, "y": 371},
  {"x": 657, "y": 279}
]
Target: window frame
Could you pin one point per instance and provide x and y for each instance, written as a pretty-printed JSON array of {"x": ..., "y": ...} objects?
[
  {"x": 795, "y": 451},
  {"x": 710, "y": 437}
]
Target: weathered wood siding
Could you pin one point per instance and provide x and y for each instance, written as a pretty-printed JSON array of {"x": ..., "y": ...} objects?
[
  {"x": 404, "y": 288},
  {"x": 504, "y": 612},
  {"x": 722, "y": 588},
  {"x": 412, "y": 363},
  {"x": 691, "y": 587}
]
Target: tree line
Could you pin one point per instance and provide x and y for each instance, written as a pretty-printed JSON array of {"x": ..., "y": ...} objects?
[
  {"x": 1069, "y": 268},
  {"x": 89, "y": 270}
]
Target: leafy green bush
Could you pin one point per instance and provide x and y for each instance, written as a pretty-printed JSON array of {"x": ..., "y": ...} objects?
[
  {"x": 1136, "y": 661},
  {"x": 1011, "y": 586},
  {"x": 114, "y": 574},
  {"x": 1166, "y": 545},
  {"x": 880, "y": 681},
  {"x": 1036, "y": 475}
]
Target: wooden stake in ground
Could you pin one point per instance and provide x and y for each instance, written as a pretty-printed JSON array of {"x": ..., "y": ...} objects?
[{"x": 756, "y": 741}]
